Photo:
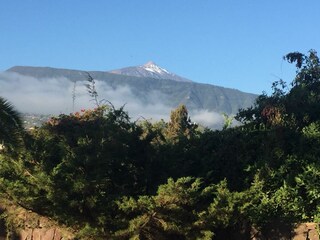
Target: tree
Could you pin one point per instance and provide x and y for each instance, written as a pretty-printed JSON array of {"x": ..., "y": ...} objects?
[
  {"x": 10, "y": 124},
  {"x": 180, "y": 125},
  {"x": 172, "y": 213},
  {"x": 302, "y": 102},
  {"x": 296, "y": 107}
]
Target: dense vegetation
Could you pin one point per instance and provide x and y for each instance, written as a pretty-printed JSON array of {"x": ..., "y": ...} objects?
[{"x": 110, "y": 178}]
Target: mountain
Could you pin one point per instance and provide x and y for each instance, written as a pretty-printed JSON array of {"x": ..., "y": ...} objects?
[
  {"x": 150, "y": 70},
  {"x": 150, "y": 91}
]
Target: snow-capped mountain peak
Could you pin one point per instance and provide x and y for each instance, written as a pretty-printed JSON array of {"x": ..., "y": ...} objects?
[
  {"x": 152, "y": 67},
  {"x": 151, "y": 70}
]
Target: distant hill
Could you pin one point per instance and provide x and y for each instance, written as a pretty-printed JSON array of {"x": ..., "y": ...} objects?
[{"x": 175, "y": 91}]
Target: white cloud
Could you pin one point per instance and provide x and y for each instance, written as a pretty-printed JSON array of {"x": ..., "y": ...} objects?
[
  {"x": 54, "y": 96},
  {"x": 207, "y": 118}
]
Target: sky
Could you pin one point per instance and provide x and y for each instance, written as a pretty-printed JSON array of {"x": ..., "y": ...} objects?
[{"x": 231, "y": 43}]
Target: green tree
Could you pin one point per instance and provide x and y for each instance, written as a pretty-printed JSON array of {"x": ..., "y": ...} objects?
[
  {"x": 180, "y": 125},
  {"x": 302, "y": 102},
  {"x": 296, "y": 107},
  {"x": 171, "y": 214}
]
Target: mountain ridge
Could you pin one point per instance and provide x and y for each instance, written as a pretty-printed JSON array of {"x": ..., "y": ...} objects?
[{"x": 196, "y": 96}]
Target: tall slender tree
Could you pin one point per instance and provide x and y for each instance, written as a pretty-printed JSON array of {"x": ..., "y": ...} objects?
[{"x": 180, "y": 124}]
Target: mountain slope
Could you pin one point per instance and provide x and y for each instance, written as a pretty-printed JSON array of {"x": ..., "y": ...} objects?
[{"x": 196, "y": 96}]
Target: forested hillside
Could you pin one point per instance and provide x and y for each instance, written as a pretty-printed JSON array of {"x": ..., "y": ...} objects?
[{"x": 107, "y": 177}]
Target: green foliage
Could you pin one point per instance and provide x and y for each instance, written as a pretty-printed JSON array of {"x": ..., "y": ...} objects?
[
  {"x": 180, "y": 125},
  {"x": 99, "y": 163},
  {"x": 185, "y": 209},
  {"x": 312, "y": 131},
  {"x": 171, "y": 214},
  {"x": 296, "y": 108},
  {"x": 308, "y": 186},
  {"x": 78, "y": 164},
  {"x": 227, "y": 121},
  {"x": 10, "y": 125}
]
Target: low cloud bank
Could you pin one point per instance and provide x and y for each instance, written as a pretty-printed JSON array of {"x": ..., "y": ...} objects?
[
  {"x": 207, "y": 118},
  {"x": 55, "y": 96}
]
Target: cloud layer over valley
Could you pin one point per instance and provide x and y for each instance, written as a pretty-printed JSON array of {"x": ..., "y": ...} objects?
[{"x": 55, "y": 96}]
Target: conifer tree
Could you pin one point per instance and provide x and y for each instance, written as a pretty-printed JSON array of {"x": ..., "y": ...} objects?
[{"x": 180, "y": 124}]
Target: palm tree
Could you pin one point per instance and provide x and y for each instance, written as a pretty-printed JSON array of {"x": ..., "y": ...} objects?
[{"x": 10, "y": 124}]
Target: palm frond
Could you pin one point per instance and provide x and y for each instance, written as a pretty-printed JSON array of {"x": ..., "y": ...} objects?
[{"x": 10, "y": 123}]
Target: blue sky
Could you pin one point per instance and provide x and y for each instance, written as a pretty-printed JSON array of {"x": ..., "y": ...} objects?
[{"x": 230, "y": 43}]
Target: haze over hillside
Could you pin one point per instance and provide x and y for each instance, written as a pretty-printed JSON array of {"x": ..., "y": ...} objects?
[{"x": 147, "y": 91}]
